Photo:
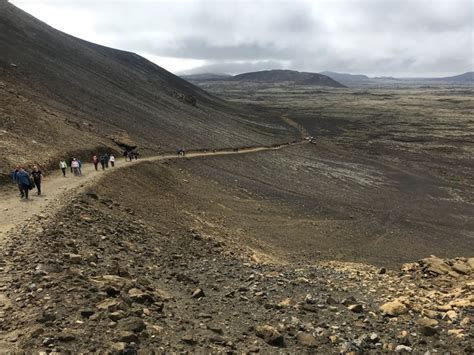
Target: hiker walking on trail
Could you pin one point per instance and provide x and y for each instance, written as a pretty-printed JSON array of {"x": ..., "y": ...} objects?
[
  {"x": 79, "y": 161},
  {"x": 102, "y": 161},
  {"x": 63, "y": 166},
  {"x": 70, "y": 163},
  {"x": 37, "y": 178},
  {"x": 112, "y": 160},
  {"x": 106, "y": 160},
  {"x": 130, "y": 156},
  {"x": 75, "y": 167},
  {"x": 22, "y": 179},
  {"x": 125, "y": 155},
  {"x": 95, "y": 161}
]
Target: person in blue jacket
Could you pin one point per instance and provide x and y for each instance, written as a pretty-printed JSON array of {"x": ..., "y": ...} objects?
[{"x": 22, "y": 178}]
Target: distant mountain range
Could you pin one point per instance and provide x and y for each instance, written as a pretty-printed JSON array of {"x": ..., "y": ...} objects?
[
  {"x": 272, "y": 76},
  {"x": 345, "y": 77},
  {"x": 462, "y": 78},
  {"x": 303, "y": 78},
  {"x": 329, "y": 78},
  {"x": 206, "y": 77}
]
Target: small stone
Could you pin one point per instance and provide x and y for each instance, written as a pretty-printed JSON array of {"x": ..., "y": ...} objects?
[
  {"x": 133, "y": 324},
  {"x": 47, "y": 341},
  {"x": 394, "y": 308},
  {"x": 403, "y": 348},
  {"x": 382, "y": 271},
  {"x": 66, "y": 337},
  {"x": 470, "y": 262},
  {"x": 356, "y": 308},
  {"x": 465, "y": 322},
  {"x": 452, "y": 315},
  {"x": 430, "y": 313},
  {"x": 86, "y": 312},
  {"x": 458, "y": 333},
  {"x": 188, "y": 339},
  {"x": 198, "y": 293},
  {"x": 46, "y": 317},
  {"x": 270, "y": 335},
  {"x": 427, "y": 326},
  {"x": 128, "y": 336},
  {"x": 115, "y": 316},
  {"x": 75, "y": 258},
  {"x": 306, "y": 339},
  {"x": 435, "y": 265},
  {"x": 348, "y": 301},
  {"x": 462, "y": 268},
  {"x": 284, "y": 304},
  {"x": 374, "y": 337},
  {"x": 310, "y": 307},
  {"x": 215, "y": 328},
  {"x": 108, "y": 304},
  {"x": 119, "y": 347},
  {"x": 139, "y": 296}
]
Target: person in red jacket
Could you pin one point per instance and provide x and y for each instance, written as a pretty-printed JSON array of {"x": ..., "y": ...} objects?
[{"x": 95, "y": 160}]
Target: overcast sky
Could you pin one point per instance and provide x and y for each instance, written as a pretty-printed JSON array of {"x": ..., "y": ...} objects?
[{"x": 374, "y": 37}]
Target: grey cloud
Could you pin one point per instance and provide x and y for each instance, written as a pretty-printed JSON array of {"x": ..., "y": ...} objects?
[
  {"x": 236, "y": 67},
  {"x": 402, "y": 37}
]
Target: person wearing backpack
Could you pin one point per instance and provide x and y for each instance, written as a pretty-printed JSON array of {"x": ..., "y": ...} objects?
[
  {"x": 22, "y": 179},
  {"x": 75, "y": 167}
]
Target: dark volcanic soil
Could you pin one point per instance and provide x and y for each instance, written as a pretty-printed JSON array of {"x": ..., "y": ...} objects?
[
  {"x": 142, "y": 266},
  {"x": 312, "y": 202}
]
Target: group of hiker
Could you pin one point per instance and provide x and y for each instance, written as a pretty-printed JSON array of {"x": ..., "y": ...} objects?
[
  {"x": 104, "y": 161},
  {"x": 130, "y": 155},
  {"x": 27, "y": 181}
]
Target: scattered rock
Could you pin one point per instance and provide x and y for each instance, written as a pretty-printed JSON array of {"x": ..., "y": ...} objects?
[
  {"x": 139, "y": 296},
  {"x": 198, "y": 293},
  {"x": 270, "y": 335},
  {"x": 356, "y": 308},
  {"x": 75, "y": 258},
  {"x": 133, "y": 324},
  {"x": 435, "y": 265},
  {"x": 427, "y": 326},
  {"x": 86, "y": 312},
  {"x": 306, "y": 339},
  {"x": 394, "y": 308},
  {"x": 403, "y": 348},
  {"x": 128, "y": 336},
  {"x": 462, "y": 268}
]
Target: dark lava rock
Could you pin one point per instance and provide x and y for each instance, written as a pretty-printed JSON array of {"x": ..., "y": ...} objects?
[
  {"x": 86, "y": 312},
  {"x": 133, "y": 324}
]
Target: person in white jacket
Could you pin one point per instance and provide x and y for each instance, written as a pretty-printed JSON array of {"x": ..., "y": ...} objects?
[
  {"x": 112, "y": 160},
  {"x": 63, "y": 166}
]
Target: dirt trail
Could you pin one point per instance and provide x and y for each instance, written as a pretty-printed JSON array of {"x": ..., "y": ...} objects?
[
  {"x": 56, "y": 188},
  {"x": 15, "y": 211}
]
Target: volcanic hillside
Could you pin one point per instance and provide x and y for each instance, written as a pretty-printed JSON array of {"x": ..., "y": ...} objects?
[
  {"x": 302, "y": 78},
  {"x": 60, "y": 95}
]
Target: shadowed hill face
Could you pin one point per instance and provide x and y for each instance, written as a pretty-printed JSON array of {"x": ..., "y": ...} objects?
[{"x": 62, "y": 94}]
